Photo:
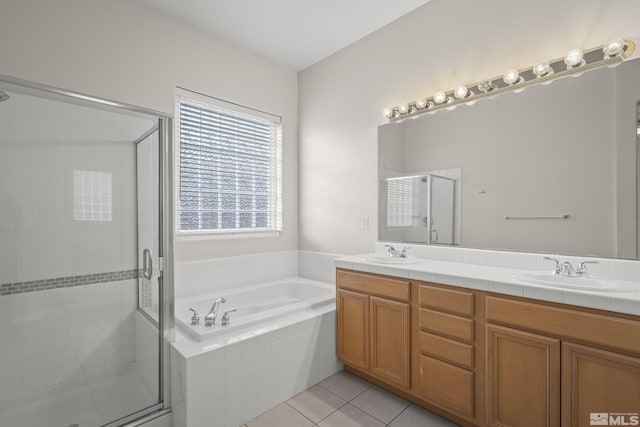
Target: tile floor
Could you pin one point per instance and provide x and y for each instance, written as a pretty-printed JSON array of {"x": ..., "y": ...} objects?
[{"x": 345, "y": 400}]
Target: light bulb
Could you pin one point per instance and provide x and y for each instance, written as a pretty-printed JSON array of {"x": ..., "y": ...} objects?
[
  {"x": 403, "y": 109},
  {"x": 388, "y": 112},
  {"x": 486, "y": 86},
  {"x": 461, "y": 92},
  {"x": 574, "y": 58},
  {"x": 439, "y": 97},
  {"x": 614, "y": 48},
  {"x": 511, "y": 76},
  {"x": 421, "y": 103},
  {"x": 542, "y": 70}
]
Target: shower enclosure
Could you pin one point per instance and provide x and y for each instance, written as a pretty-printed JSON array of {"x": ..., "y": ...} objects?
[
  {"x": 85, "y": 259},
  {"x": 421, "y": 208}
]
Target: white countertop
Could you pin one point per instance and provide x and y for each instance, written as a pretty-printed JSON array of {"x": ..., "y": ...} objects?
[{"x": 495, "y": 279}]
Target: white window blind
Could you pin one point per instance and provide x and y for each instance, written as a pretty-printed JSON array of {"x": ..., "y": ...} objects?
[
  {"x": 230, "y": 168},
  {"x": 402, "y": 203}
]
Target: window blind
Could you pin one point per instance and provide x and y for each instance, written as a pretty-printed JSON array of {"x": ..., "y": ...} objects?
[
  {"x": 402, "y": 204},
  {"x": 230, "y": 169}
]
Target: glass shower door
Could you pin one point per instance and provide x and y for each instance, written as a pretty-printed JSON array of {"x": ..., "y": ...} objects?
[
  {"x": 77, "y": 347},
  {"x": 441, "y": 210}
]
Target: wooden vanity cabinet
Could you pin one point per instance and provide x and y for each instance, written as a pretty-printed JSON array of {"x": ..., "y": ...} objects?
[
  {"x": 523, "y": 379},
  {"x": 445, "y": 354},
  {"x": 353, "y": 328},
  {"x": 554, "y": 365},
  {"x": 483, "y": 359},
  {"x": 373, "y": 326},
  {"x": 594, "y": 379}
]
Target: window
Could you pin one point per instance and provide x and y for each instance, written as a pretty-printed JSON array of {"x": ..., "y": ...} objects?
[
  {"x": 92, "y": 196},
  {"x": 402, "y": 201},
  {"x": 230, "y": 168}
]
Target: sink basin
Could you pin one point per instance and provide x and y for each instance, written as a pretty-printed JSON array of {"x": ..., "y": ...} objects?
[
  {"x": 381, "y": 259},
  {"x": 594, "y": 284}
]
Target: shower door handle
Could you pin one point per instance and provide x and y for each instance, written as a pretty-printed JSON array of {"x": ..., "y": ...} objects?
[{"x": 147, "y": 264}]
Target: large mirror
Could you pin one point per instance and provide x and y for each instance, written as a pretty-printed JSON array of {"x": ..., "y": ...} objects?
[{"x": 552, "y": 169}]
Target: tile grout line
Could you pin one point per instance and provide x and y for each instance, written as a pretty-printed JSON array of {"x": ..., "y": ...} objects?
[
  {"x": 401, "y": 412},
  {"x": 300, "y": 412},
  {"x": 357, "y": 407}
]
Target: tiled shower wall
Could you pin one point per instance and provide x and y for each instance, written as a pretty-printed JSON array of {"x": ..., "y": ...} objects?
[
  {"x": 68, "y": 269},
  {"x": 44, "y": 144}
]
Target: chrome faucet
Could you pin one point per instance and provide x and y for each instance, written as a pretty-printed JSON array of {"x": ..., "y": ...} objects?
[
  {"x": 195, "y": 319},
  {"x": 394, "y": 253},
  {"x": 566, "y": 269},
  {"x": 226, "y": 319},
  {"x": 210, "y": 318},
  {"x": 558, "y": 268},
  {"x": 581, "y": 271}
]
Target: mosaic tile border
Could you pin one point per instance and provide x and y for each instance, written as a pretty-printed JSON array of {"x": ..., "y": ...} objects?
[{"x": 67, "y": 282}]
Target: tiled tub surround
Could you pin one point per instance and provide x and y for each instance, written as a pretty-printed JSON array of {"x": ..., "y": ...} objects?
[
  {"x": 252, "y": 305},
  {"x": 493, "y": 271},
  {"x": 199, "y": 277},
  {"x": 230, "y": 379}
]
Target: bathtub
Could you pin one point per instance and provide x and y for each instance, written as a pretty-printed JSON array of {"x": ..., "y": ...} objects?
[{"x": 254, "y": 304}]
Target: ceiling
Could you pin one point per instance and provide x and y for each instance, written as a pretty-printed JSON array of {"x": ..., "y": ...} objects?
[{"x": 295, "y": 33}]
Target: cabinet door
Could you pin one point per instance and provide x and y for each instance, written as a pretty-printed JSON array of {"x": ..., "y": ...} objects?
[
  {"x": 523, "y": 379},
  {"x": 390, "y": 340},
  {"x": 353, "y": 329},
  {"x": 599, "y": 384}
]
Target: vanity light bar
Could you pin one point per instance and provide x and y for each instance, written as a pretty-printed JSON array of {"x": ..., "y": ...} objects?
[{"x": 574, "y": 63}]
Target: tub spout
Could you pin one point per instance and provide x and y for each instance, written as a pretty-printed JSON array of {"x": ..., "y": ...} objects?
[{"x": 210, "y": 318}]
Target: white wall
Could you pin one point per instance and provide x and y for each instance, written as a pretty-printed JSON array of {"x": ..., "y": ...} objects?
[
  {"x": 437, "y": 47},
  {"x": 125, "y": 51}
]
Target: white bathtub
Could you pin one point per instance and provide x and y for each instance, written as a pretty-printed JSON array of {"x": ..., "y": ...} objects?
[{"x": 254, "y": 304}]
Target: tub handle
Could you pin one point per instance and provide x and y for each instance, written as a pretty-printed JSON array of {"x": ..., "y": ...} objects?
[
  {"x": 195, "y": 319},
  {"x": 225, "y": 317}
]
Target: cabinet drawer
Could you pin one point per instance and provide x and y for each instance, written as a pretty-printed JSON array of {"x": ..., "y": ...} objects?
[
  {"x": 397, "y": 289},
  {"x": 448, "y": 325},
  {"x": 446, "y": 349},
  {"x": 563, "y": 322},
  {"x": 447, "y": 386},
  {"x": 449, "y": 300}
]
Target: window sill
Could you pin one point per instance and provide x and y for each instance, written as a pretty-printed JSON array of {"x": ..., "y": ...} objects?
[{"x": 203, "y": 235}]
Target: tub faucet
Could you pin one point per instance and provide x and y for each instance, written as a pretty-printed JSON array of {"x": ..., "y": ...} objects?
[{"x": 210, "y": 318}]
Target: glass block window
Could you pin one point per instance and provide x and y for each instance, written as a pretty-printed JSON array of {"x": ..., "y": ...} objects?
[
  {"x": 92, "y": 196},
  {"x": 230, "y": 168}
]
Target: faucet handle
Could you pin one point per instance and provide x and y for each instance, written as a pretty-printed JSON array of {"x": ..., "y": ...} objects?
[
  {"x": 392, "y": 250},
  {"x": 403, "y": 253},
  {"x": 226, "y": 319},
  {"x": 558, "y": 268},
  {"x": 582, "y": 267},
  {"x": 195, "y": 319}
]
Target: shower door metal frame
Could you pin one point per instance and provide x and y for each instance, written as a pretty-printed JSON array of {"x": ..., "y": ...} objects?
[{"x": 166, "y": 201}]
